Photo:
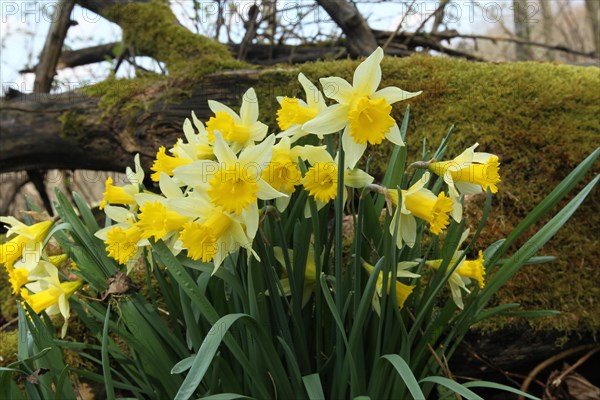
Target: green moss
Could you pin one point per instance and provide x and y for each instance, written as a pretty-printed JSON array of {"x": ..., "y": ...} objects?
[
  {"x": 542, "y": 119},
  {"x": 152, "y": 29},
  {"x": 72, "y": 125},
  {"x": 9, "y": 344}
]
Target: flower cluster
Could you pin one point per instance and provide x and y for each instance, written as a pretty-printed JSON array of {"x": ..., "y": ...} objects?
[
  {"x": 214, "y": 181},
  {"x": 34, "y": 274}
]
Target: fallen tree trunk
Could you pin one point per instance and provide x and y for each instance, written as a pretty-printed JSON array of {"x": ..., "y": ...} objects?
[{"x": 73, "y": 131}]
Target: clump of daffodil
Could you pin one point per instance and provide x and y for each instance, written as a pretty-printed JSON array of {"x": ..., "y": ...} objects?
[
  {"x": 239, "y": 130},
  {"x": 402, "y": 290},
  {"x": 469, "y": 173},
  {"x": 310, "y": 273},
  {"x": 49, "y": 294},
  {"x": 25, "y": 240},
  {"x": 124, "y": 194},
  {"x": 294, "y": 113},
  {"x": 321, "y": 179},
  {"x": 362, "y": 110},
  {"x": 419, "y": 202},
  {"x": 462, "y": 275}
]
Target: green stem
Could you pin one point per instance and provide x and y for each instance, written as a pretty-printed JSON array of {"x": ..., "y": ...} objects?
[{"x": 339, "y": 289}]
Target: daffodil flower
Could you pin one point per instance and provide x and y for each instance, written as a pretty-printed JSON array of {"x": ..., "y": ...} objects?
[
  {"x": 310, "y": 273},
  {"x": 26, "y": 270},
  {"x": 124, "y": 239},
  {"x": 282, "y": 172},
  {"x": 363, "y": 112},
  {"x": 27, "y": 242},
  {"x": 240, "y": 130},
  {"x": 197, "y": 145},
  {"x": 321, "y": 180},
  {"x": 156, "y": 217},
  {"x": 233, "y": 183},
  {"x": 214, "y": 233},
  {"x": 402, "y": 290},
  {"x": 471, "y": 172},
  {"x": 51, "y": 295},
  {"x": 124, "y": 194},
  {"x": 462, "y": 275},
  {"x": 165, "y": 163},
  {"x": 420, "y": 202},
  {"x": 294, "y": 113}
]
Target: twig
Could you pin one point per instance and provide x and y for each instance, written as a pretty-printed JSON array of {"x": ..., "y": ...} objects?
[
  {"x": 566, "y": 372},
  {"x": 393, "y": 35},
  {"x": 546, "y": 363}
]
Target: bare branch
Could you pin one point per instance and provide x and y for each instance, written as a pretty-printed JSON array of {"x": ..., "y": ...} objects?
[{"x": 46, "y": 68}]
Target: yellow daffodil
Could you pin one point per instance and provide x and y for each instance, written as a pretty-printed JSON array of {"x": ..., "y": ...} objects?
[
  {"x": 214, "y": 238},
  {"x": 123, "y": 195},
  {"x": 18, "y": 277},
  {"x": 240, "y": 130},
  {"x": 124, "y": 239},
  {"x": 165, "y": 163},
  {"x": 462, "y": 275},
  {"x": 197, "y": 146},
  {"x": 362, "y": 110},
  {"x": 27, "y": 242},
  {"x": 212, "y": 233},
  {"x": 310, "y": 273},
  {"x": 233, "y": 183},
  {"x": 420, "y": 202},
  {"x": 471, "y": 172},
  {"x": 402, "y": 290},
  {"x": 296, "y": 112},
  {"x": 282, "y": 172},
  {"x": 51, "y": 295},
  {"x": 115, "y": 195},
  {"x": 321, "y": 179},
  {"x": 121, "y": 244},
  {"x": 156, "y": 220}
]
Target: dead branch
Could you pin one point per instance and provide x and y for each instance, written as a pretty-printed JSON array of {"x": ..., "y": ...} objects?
[{"x": 46, "y": 68}]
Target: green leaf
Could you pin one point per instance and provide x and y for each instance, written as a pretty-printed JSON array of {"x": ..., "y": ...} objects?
[
  {"x": 312, "y": 384},
  {"x": 454, "y": 386},
  {"x": 225, "y": 396},
  {"x": 183, "y": 365},
  {"x": 492, "y": 385},
  {"x": 204, "y": 357},
  {"x": 108, "y": 384},
  {"x": 406, "y": 374}
]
